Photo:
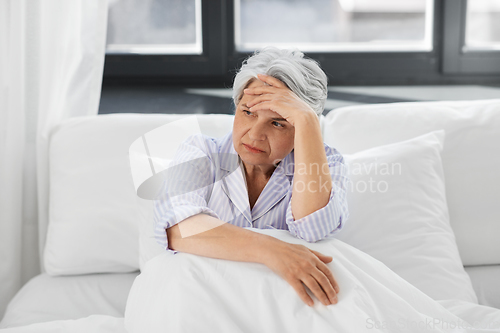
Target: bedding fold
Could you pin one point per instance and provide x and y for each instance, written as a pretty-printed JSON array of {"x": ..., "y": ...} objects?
[
  {"x": 188, "y": 293},
  {"x": 94, "y": 324}
]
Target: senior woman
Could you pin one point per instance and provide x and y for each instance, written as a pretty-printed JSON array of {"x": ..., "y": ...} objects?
[{"x": 272, "y": 171}]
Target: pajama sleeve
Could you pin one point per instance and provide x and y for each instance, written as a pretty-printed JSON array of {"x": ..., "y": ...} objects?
[
  {"x": 186, "y": 187},
  {"x": 330, "y": 219}
]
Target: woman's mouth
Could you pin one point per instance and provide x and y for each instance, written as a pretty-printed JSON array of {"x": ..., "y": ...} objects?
[{"x": 253, "y": 149}]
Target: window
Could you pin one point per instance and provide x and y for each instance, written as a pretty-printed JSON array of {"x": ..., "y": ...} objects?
[
  {"x": 154, "y": 27},
  {"x": 193, "y": 42},
  {"x": 165, "y": 55},
  {"x": 471, "y": 38},
  {"x": 482, "y": 25},
  {"x": 334, "y": 26}
]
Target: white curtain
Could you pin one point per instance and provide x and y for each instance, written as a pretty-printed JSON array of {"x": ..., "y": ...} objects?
[{"x": 51, "y": 65}]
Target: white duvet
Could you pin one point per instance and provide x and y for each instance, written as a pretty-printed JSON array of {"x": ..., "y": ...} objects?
[{"x": 188, "y": 293}]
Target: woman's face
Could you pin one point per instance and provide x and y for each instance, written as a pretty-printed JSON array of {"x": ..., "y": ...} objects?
[{"x": 261, "y": 138}]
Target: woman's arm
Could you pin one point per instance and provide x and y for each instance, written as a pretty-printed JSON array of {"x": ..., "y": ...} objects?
[
  {"x": 297, "y": 264},
  {"x": 312, "y": 182},
  {"x": 312, "y": 179},
  {"x": 207, "y": 236}
]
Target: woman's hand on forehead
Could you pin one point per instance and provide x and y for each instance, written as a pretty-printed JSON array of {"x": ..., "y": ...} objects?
[{"x": 277, "y": 97}]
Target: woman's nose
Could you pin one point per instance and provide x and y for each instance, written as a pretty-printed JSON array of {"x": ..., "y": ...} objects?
[{"x": 257, "y": 132}]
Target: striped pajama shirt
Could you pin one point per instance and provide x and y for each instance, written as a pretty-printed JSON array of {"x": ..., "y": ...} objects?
[{"x": 206, "y": 177}]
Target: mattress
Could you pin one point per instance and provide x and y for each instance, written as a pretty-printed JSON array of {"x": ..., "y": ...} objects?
[{"x": 45, "y": 298}]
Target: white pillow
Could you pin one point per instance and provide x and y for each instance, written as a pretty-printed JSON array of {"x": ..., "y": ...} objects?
[
  {"x": 398, "y": 215},
  {"x": 94, "y": 213},
  {"x": 148, "y": 247},
  {"x": 470, "y": 158}
]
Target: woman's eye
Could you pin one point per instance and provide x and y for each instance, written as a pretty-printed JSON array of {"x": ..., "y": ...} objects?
[
  {"x": 248, "y": 112},
  {"x": 275, "y": 123}
]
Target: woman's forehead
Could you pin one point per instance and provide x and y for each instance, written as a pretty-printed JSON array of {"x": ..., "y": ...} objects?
[{"x": 261, "y": 113}]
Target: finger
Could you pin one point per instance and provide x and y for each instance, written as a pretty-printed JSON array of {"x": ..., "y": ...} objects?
[
  {"x": 266, "y": 105},
  {"x": 259, "y": 99},
  {"x": 301, "y": 291},
  {"x": 326, "y": 285},
  {"x": 316, "y": 289},
  {"x": 324, "y": 258},
  {"x": 271, "y": 80},
  {"x": 328, "y": 273},
  {"x": 260, "y": 90}
]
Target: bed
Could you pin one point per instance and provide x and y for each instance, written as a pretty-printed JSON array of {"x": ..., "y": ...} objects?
[{"x": 99, "y": 237}]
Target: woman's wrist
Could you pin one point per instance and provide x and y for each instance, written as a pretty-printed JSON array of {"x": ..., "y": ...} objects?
[
  {"x": 305, "y": 123},
  {"x": 265, "y": 249}
]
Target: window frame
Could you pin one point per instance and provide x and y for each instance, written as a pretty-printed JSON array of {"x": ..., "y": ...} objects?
[
  {"x": 133, "y": 67},
  {"x": 365, "y": 67},
  {"x": 455, "y": 59},
  {"x": 218, "y": 63}
]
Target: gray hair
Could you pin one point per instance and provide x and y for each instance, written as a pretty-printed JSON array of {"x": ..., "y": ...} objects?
[{"x": 301, "y": 75}]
